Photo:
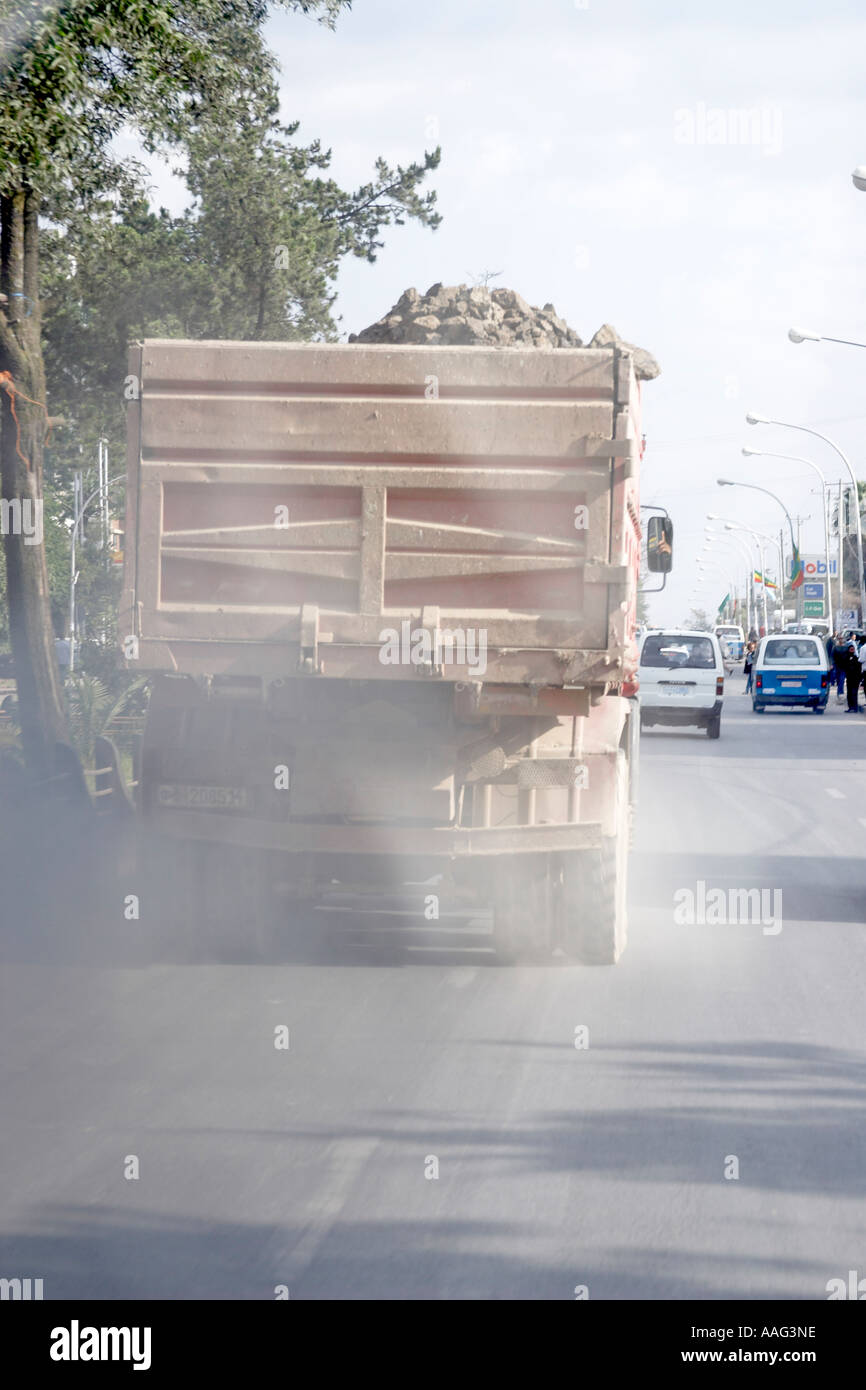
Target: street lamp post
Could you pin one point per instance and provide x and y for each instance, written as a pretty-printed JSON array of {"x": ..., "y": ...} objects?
[
  {"x": 753, "y": 419},
  {"x": 731, "y": 586},
  {"x": 775, "y": 541},
  {"x": 746, "y": 553},
  {"x": 758, "y": 537},
  {"x": 780, "y": 552},
  {"x": 796, "y": 458},
  {"x": 805, "y": 335},
  {"x": 758, "y": 541},
  {"x": 841, "y": 559},
  {"x": 748, "y": 592},
  {"x": 727, "y": 482}
]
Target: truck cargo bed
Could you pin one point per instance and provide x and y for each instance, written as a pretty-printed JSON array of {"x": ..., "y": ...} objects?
[{"x": 289, "y": 504}]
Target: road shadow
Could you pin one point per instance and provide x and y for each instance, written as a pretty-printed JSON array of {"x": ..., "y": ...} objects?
[
  {"x": 814, "y": 887},
  {"x": 792, "y": 1115},
  {"x": 109, "y": 1254}
]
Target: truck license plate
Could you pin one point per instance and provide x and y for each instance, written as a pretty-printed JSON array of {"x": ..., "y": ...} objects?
[
  {"x": 185, "y": 795},
  {"x": 797, "y": 683},
  {"x": 679, "y": 689}
]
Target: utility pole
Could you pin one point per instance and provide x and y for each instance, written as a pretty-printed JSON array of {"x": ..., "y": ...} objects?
[
  {"x": 104, "y": 520},
  {"x": 841, "y": 551},
  {"x": 825, "y": 519},
  {"x": 79, "y": 508},
  {"x": 753, "y": 419},
  {"x": 798, "y": 520}
]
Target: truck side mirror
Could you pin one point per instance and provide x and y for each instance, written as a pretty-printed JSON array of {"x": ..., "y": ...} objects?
[{"x": 660, "y": 545}]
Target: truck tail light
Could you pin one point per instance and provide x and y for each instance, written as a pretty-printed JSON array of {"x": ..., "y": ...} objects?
[
  {"x": 720, "y": 684},
  {"x": 759, "y": 681},
  {"x": 823, "y": 682}
]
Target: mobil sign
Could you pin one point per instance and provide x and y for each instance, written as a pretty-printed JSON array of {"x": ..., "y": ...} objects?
[{"x": 815, "y": 567}]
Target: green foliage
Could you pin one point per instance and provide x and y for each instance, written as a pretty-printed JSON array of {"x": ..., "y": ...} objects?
[
  {"x": 89, "y": 703},
  {"x": 93, "y": 703},
  {"x": 73, "y": 73},
  {"x": 255, "y": 256},
  {"x": 269, "y": 231},
  {"x": 56, "y": 536}
]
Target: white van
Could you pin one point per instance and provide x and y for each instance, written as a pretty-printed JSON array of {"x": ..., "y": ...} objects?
[
  {"x": 682, "y": 679},
  {"x": 731, "y": 637}
]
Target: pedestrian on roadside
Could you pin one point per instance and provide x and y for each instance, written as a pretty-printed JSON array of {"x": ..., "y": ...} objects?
[
  {"x": 853, "y": 677},
  {"x": 749, "y": 665},
  {"x": 839, "y": 653},
  {"x": 861, "y": 653}
]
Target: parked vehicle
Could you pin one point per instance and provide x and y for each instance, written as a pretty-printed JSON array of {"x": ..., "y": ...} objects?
[
  {"x": 392, "y": 637},
  {"x": 733, "y": 636},
  {"x": 791, "y": 670},
  {"x": 682, "y": 679}
]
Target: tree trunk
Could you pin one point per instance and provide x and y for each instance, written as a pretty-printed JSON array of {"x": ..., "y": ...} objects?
[{"x": 40, "y": 697}]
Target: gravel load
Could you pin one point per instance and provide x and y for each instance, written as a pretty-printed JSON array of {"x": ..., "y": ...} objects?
[{"x": 463, "y": 315}]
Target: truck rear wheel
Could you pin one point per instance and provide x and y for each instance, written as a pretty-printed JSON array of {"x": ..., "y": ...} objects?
[
  {"x": 235, "y": 920},
  {"x": 593, "y": 909},
  {"x": 169, "y": 897},
  {"x": 523, "y": 909}
]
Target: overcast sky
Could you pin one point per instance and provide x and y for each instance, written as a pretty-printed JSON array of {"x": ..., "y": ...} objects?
[{"x": 582, "y": 158}]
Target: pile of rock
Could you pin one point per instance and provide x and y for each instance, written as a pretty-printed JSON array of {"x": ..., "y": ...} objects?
[{"x": 460, "y": 315}]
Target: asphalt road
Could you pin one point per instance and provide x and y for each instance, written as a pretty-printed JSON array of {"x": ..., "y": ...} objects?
[{"x": 603, "y": 1166}]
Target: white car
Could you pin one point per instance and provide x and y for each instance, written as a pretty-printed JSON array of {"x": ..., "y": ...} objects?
[{"x": 682, "y": 679}]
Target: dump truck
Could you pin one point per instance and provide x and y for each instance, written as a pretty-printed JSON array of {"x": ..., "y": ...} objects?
[{"x": 386, "y": 597}]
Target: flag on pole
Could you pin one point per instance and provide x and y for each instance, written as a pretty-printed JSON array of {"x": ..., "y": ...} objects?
[
  {"x": 798, "y": 573},
  {"x": 767, "y": 583},
  {"x": 723, "y": 603}
]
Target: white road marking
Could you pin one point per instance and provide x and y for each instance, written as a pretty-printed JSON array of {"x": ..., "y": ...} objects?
[
  {"x": 339, "y": 1168},
  {"x": 834, "y": 791}
]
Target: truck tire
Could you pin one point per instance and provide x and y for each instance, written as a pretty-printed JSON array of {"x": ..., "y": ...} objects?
[
  {"x": 523, "y": 910},
  {"x": 167, "y": 898},
  {"x": 593, "y": 888},
  {"x": 714, "y": 728},
  {"x": 258, "y": 913},
  {"x": 235, "y": 920}
]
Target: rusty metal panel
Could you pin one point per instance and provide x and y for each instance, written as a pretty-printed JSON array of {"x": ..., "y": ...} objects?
[{"x": 370, "y": 483}]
